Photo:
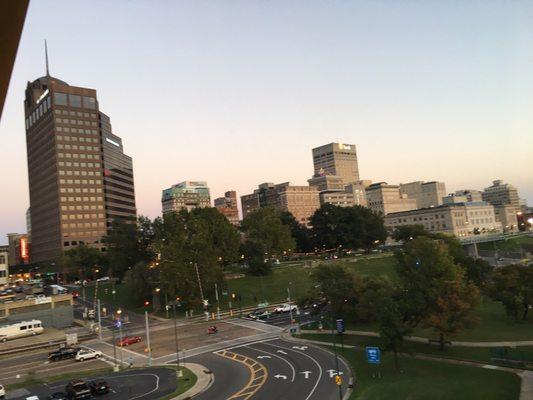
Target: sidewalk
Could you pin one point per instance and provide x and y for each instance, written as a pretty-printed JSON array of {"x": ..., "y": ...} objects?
[
  {"x": 203, "y": 381},
  {"x": 425, "y": 340}
]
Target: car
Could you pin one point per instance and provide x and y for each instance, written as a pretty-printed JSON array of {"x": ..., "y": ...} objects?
[
  {"x": 58, "y": 396},
  {"x": 87, "y": 354},
  {"x": 78, "y": 389},
  {"x": 259, "y": 314},
  {"x": 63, "y": 353},
  {"x": 98, "y": 387},
  {"x": 103, "y": 279},
  {"x": 32, "y": 398},
  {"x": 285, "y": 308},
  {"x": 2, "y": 392},
  {"x": 128, "y": 340}
]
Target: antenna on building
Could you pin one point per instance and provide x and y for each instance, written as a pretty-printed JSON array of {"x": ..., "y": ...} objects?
[{"x": 46, "y": 56}]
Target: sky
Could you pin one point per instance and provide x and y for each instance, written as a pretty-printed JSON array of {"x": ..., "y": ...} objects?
[{"x": 238, "y": 92}]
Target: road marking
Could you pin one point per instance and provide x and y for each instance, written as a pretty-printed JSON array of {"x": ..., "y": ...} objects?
[
  {"x": 258, "y": 374},
  {"x": 281, "y": 358},
  {"x": 144, "y": 394},
  {"x": 333, "y": 372},
  {"x": 303, "y": 348},
  {"x": 306, "y": 374},
  {"x": 278, "y": 376},
  {"x": 282, "y": 352},
  {"x": 260, "y": 357},
  {"x": 312, "y": 359}
]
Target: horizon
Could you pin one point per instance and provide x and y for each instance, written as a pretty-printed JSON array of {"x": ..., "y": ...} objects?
[{"x": 233, "y": 116}]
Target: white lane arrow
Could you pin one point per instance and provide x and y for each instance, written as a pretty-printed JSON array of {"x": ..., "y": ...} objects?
[
  {"x": 333, "y": 372},
  {"x": 260, "y": 357},
  {"x": 300, "y": 347},
  {"x": 278, "y": 376},
  {"x": 306, "y": 374},
  {"x": 282, "y": 352}
]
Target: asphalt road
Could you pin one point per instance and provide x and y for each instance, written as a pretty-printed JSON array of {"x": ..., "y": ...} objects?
[
  {"x": 292, "y": 371},
  {"x": 138, "y": 384}
]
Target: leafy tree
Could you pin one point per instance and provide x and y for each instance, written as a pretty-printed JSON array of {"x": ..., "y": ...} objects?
[
  {"x": 336, "y": 285},
  {"x": 301, "y": 234},
  {"x": 405, "y": 233},
  {"x": 128, "y": 244},
  {"x": 512, "y": 285},
  {"x": 81, "y": 260},
  {"x": 265, "y": 235}
]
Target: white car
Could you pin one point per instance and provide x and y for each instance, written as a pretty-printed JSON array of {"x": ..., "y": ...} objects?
[
  {"x": 284, "y": 308},
  {"x": 2, "y": 392},
  {"x": 103, "y": 279},
  {"x": 87, "y": 354}
]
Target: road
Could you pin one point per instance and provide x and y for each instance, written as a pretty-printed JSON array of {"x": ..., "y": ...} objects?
[{"x": 273, "y": 369}]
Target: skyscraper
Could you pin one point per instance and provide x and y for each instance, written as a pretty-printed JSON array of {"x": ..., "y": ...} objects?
[
  {"x": 69, "y": 141},
  {"x": 336, "y": 159}
]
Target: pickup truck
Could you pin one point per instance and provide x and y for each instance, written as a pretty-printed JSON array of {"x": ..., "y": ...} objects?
[{"x": 63, "y": 353}]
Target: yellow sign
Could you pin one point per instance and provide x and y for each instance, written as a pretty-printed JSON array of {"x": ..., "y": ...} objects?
[{"x": 338, "y": 380}]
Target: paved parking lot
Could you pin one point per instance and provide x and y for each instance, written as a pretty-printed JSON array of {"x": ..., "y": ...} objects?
[{"x": 135, "y": 384}]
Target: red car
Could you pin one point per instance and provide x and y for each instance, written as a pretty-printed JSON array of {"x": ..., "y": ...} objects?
[{"x": 127, "y": 340}]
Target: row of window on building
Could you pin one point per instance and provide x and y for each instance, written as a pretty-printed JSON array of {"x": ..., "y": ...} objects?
[
  {"x": 86, "y": 199},
  {"x": 79, "y": 190},
  {"x": 76, "y": 130},
  {"x": 71, "y": 113},
  {"x": 81, "y": 216},
  {"x": 78, "y": 164},
  {"x": 76, "y": 122},
  {"x": 77, "y": 139},
  {"x": 78, "y": 155},
  {"x": 83, "y": 225},
  {"x": 79, "y": 207},
  {"x": 38, "y": 112},
  {"x": 74, "y": 100}
]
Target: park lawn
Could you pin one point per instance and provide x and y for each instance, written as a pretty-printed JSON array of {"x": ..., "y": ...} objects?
[
  {"x": 507, "y": 245},
  {"x": 476, "y": 354},
  {"x": 187, "y": 381},
  {"x": 424, "y": 379}
]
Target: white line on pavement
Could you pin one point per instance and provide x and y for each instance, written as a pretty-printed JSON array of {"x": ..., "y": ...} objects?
[{"x": 281, "y": 358}]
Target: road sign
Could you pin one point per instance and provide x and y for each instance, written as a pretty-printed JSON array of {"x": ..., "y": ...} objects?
[
  {"x": 338, "y": 380},
  {"x": 340, "y": 325},
  {"x": 118, "y": 323},
  {"x": 373, "y": 355}
]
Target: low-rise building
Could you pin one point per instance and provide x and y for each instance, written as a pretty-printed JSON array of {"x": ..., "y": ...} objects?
[
  {"x": 4, "y": 265},
  {"x": 227, "y": 206},
  {"x": 186, "y": 195},
  {"x": 19, "y": 248},
  {"x": 54, "y": 311},
  {"x": 338, "y": 198},
  {"x": 507, "y": 216},
  {"x": 459, "y": 219},
  {"x": 326, "y": 182},
  {"x": 426, "y": 194},
  {"x": 384, "y": 198}
]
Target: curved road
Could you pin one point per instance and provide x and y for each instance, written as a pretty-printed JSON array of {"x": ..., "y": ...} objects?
[{"x": 273, "y": 369}]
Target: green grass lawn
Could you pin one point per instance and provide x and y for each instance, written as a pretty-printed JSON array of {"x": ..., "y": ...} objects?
[
  {"x": 422, "y": 380},
  {"x": 477, "y": 354}
]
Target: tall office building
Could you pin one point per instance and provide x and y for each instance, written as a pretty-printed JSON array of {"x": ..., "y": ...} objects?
[
  {"x": 336, "y": 159},
  {"x": 426, "y": 194},
  {"x": 67, "y": 148},
  {"x": 186, "y": 195},
  {"x": 500, "y": 194},
  {"x": 384, "y": 198}
]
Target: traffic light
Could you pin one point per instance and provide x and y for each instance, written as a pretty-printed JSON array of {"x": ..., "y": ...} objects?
[{"x": 146, "y": 303}]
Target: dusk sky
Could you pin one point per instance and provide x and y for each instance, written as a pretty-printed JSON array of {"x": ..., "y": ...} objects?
[{"x": 237, "y": 93}]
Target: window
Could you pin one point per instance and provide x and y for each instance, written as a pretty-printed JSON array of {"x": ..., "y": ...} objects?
[
  {"x": 89, "y": 102},
  {"x": 60, "y": 99}
]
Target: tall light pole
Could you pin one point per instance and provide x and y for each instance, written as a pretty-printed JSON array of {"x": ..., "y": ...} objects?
[{"x": 290, "y": 306}]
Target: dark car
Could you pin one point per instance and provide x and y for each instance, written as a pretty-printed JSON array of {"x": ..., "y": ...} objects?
[
  {"x": 63, "y": 353},
  {"x": 57, "y": 396},
  {"x": 78, "y": 389},
  {"x": 99, "y": 387},
  {"x": 259, "y": 314}
]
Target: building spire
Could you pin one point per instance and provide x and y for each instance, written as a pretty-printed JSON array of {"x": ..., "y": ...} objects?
[{"x": 46, "y": 56}]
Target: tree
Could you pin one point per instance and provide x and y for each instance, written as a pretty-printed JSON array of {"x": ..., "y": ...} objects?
[
  {"x": 81, "y": 260},
  {"x": 302, "y": 235},
  {"x": 265, "y": 236},
  {"x": 336, "y": 285},
  {"x": 436, "y": 292},
  {"x": 405, "y": 233},
  {"x": 512, "y": 285},
  {"x": 128, "y": 244}
]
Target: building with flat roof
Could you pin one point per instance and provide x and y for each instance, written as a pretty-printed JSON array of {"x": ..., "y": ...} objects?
[
  {"x": 336, "y": 159},
  {"x": 186, "y": 195},
  {"x": 71, "y": 201},
  {"x": 459, "y": 219},
  {"x": 300, "y": 201},
  {"x": 326, "y": 182},
  {"x": 19, "y": 248},
  {"x": 4, "y": 265},
  {"x": 384, "y": 198},
  {"x": 426, "y": 194},
  {"x": 501, "y": 193},
  {"x": 227, "y": 206},
  {"x": 506, "y": 215}
]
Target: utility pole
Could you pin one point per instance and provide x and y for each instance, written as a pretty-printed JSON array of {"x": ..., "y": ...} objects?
[
  {"x": 290, "y": 307},
  {"x": 176, "y": 343},
  {"x": 148, "y": 339},
  {"x": 115, "y": 367},
  {"x": 99, "y": 319},
  {"x": 218, "y": 302},
  {"x": 199, "y": 281}
]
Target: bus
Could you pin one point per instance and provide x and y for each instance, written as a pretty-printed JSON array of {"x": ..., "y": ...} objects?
[{"x": 20, "y": 329}]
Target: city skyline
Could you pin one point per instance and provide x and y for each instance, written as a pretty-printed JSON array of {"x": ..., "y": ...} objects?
[{"x": 233, "y": 130}]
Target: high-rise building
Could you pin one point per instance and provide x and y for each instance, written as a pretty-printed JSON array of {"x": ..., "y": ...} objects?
[
  {"x": 300, "y": 201},
  {"x": 426, "y": 194},
  {"x": 336, "y": 159},
  {"x": 4, "y": 265},
  {"x": 67, "y": 150},
  {"x": 186, "y": 195},
  {"x": 227, "y": 206},
  {"x": 384, "y": 198},
  {"x": 500, "y": 194}
]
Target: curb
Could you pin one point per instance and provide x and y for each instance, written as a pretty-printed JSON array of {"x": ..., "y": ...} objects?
[{"x": 204, "y": 380}]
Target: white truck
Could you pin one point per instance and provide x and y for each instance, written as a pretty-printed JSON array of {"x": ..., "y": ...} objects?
[{"x": 21, "y": 329}]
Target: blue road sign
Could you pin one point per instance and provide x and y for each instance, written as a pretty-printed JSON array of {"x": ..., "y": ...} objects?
[
  {"x": 118, "y": 323},
  {"x": 373, "y": 355},
  {"x": 340, "y": 325}
]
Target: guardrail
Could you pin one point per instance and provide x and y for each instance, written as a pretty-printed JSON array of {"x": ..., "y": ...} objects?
[{"x": 43, "y": 345}]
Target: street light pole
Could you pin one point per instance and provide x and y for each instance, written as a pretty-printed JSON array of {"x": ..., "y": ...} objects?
[
  {"x": 290, "y": 307},
  {"x": 148, "y": 339},
  {"x": 218, "y": 302},
  {"x": 176, "y": 342}
]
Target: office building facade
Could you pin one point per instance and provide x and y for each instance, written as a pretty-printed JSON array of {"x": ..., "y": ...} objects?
[
  {"x": 385, "y": 199},
  {"x": 426, "y": 194},
  {"x": 186, "y": 195},
  {"x": 227, "y": 206},
  {"x": 501, "y": 193},
  {"x": 336, "y": 159},
  {"x": 65, "y": 168},
  {"x": 4, "y": 265}
]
